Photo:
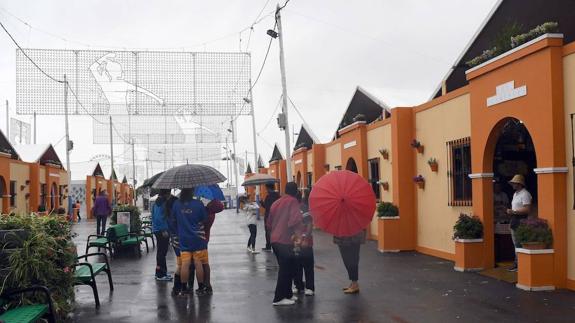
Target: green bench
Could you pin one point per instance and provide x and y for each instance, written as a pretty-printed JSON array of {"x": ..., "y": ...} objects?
[
  {"x": 85, "y": 273},
  {"x": 27, "y": 313},
  {"x": 120, "y": 236},
  {"x": 148, "y": 233},
  {"x": 98, "y": 242}
]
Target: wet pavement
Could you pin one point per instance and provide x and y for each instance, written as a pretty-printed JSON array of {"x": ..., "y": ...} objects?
[{"x": 403, "y": 287}]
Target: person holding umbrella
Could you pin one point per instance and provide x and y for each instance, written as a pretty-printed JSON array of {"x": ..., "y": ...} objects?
[
  {"x": 189, "y": 215},
  {"x": 284, "y": 220},
  {"x": 345, "y": 213}
]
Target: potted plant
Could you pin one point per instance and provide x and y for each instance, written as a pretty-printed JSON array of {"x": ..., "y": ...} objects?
[
  {"x": 433, "y": 164},
  {"x": 388, "y": 227},
  {"x": 135, "y": 221},
  {"x": 420, "y": 181},
  {"x": 417, "y": 145},
  {"x": 384, "y": 185},
  {"x": 468, "y": 237},
  {"x": 387, "y": 209},
  {"x": 384, "y": 153},
  {"x": 534, "y": 233}
]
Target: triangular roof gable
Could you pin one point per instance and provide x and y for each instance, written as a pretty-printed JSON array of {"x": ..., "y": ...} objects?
[
  {"x": 276, "y": 155},
  {"x": 362, "y": 102},
  {"x": 125, "y": 180},
  {"x": 98, "y": 171},
  {"x": 261, "y": 162},
  {"x": 527, "y": 14},
  {"x": 50, "y": 157},
  {"x": 113, "y": 175},
  {"x": 6, "y": 147},
  {"x": 304, "y": 139},
  {"x": 249, "y": 169}
]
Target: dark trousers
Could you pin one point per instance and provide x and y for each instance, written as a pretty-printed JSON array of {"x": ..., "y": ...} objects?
[
  {"x": 268, "y": 234},
  {"x": 350, "y": 255},
  {"x": 304, "y": 264},
  {"x": 101, "y": 224},
  {"x": 253, "y": 232},
  {"x": 161, "y": 252},
  {"x": 286, "y": 262}
]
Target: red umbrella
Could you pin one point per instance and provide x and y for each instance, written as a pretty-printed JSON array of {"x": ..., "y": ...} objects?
[{"x": 342, "y": 203}]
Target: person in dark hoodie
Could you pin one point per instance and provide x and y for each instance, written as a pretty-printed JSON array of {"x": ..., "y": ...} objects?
[
  {"x": 161, "y": 231},
  {"x": 271, "y": 197},
  {"x": 101, "y": 211}
]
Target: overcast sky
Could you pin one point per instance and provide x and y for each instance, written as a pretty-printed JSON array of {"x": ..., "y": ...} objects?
[{"x": 397, "y": 50}]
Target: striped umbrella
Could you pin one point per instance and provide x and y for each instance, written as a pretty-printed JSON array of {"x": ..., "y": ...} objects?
[
  {"x": 189, "y": 176},
  {"x": 260, "y": 179}
]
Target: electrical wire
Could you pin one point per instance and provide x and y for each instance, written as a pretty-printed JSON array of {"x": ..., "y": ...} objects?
[
  {"x": 28, "y": 57},
  {"x": 272, "y": 116}
]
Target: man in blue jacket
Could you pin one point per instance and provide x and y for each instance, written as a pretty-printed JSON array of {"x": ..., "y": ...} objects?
[{"x": 161, "y": 231}]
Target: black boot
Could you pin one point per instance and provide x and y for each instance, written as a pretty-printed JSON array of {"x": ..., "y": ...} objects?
[{"x": 177, "y": 285}]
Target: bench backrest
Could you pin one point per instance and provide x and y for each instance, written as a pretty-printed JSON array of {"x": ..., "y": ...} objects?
[{"x": 118, "y": 232}]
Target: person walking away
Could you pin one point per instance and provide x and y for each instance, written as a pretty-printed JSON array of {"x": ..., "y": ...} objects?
[
  {"x": 78, "y": 206},
  {"x": 305, "y": 260},
  {"x": 520, "y": 208},
  {"x": 349, "y": 249},
  {"x": 161, "y": 231},
  {"x": 190, "y": 215},
  {"x": 271, "y": 197},
  {"x": 212, "y": 207},
  {"x": 251, "y": 208},
  {"x": 102, "y": 210},
  {"x": 284, "y": 219}
]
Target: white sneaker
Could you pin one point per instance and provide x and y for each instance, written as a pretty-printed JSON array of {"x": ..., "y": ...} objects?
[
  {"x": 284, "y": 301},
  {"x": 309, "y": 292},
  {"x": 294, "y": 290},
  {"x": 250, "y": 249},
  {"x": 254, "y": 251},
  {"x": 294, "y": 298}
]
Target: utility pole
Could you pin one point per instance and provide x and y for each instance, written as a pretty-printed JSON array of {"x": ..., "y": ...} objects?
[
  {"x": 35, "y": 127},
  {"x": 68, "y": 144},
  {"x": 228, "y": 162},
  {"x": 257, "y": 197},
  {"x": 112, "y": 157},
  {"x": 234, "y": 160},
  {"x": 134, "y": 169},
  {"x": 284, "y": 95},
  {"x": 7, "y": 120}
]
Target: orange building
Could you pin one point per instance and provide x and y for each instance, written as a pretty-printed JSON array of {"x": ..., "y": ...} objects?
[
  {"x": 97, "y": 182},
  {"x": 510, "y": 114}
]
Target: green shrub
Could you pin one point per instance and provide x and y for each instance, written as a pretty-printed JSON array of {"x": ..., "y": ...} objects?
[
  {"x": 387, "y": 209},
  {"x": 468, "y": 227},
  {"x": 46, "y": 257},
  {"x": 534, "y": 230},
  {"x": 135, "y": 220}
]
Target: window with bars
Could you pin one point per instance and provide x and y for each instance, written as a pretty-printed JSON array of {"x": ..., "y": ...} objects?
[
  {"x": 374, "y": 176},
  {"x": 459, "y": 168},
  {"x": 309, "y": 179}
]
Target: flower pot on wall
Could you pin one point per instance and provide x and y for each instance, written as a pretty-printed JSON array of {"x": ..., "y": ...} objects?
[
  {"x": 385, "y": 186},
  {"x": 420, "y": 185},
  {"x": 388, "y": 233},
  {"x": 434, "y": 167},
  {"x": 535, "y": 269},
  {"x": 468, "y": 255},
  {"x": 419, "y": 149}
]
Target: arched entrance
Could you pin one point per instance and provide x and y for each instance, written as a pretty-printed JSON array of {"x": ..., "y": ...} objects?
[
  {"x": 53, "y": 193},
  {"x": 514, "y": 153},
  {"x": 5, "y": 201},
  {"x": 298, "y": 180},
  {"x": 351, "y": 166}
]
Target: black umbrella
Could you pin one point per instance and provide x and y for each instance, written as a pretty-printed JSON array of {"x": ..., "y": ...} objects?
[
  {"x": 150, "y": 181},
  {"x": 260, "y": 179},
  {"x": 188, "y": 176}
]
